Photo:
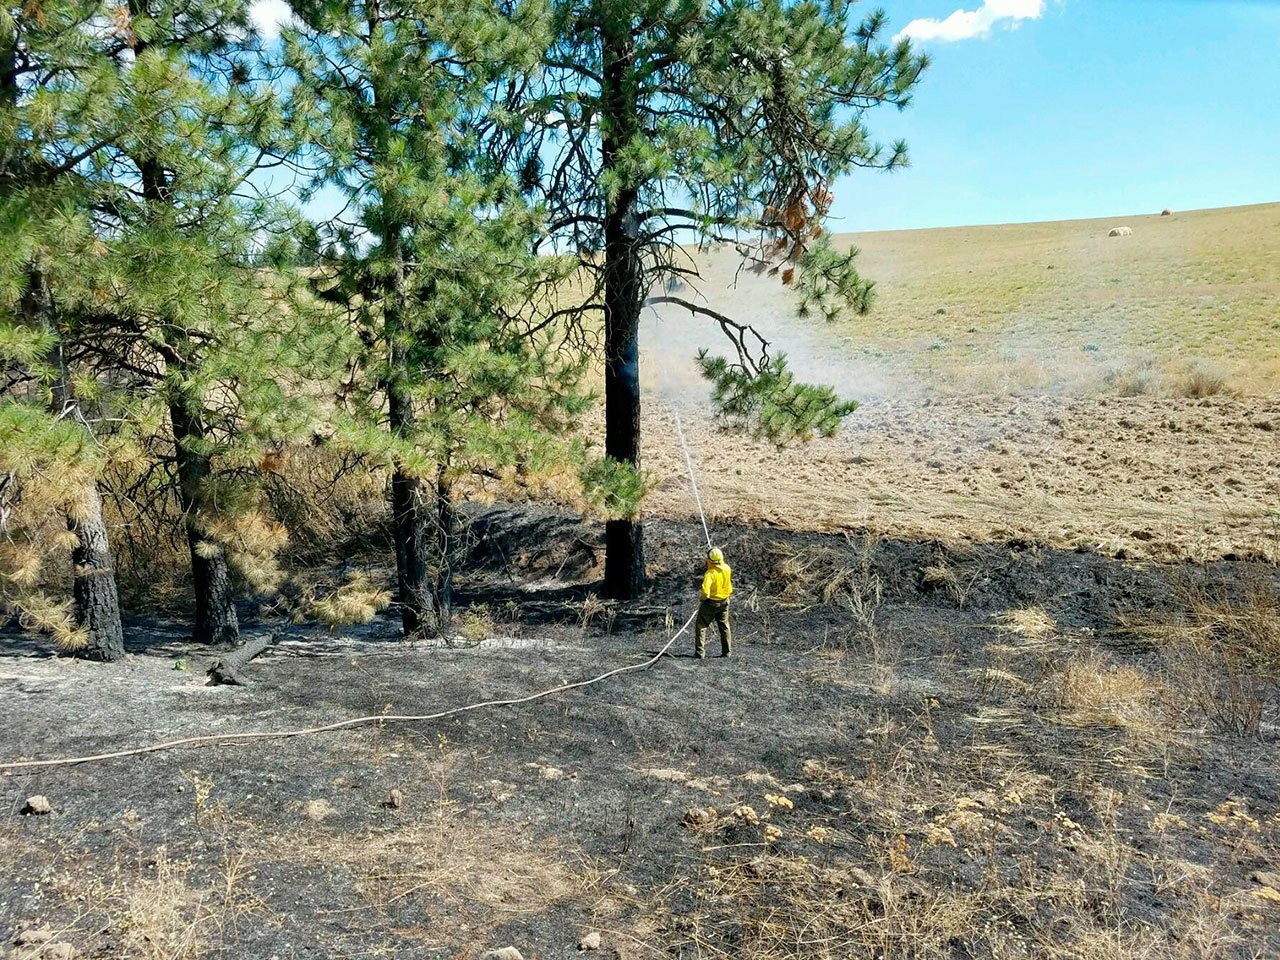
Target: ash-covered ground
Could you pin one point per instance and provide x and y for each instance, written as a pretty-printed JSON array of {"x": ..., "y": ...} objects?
[{"x": 917, "y": 750}]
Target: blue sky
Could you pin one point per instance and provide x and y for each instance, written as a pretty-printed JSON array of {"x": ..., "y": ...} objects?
[
  {"x": 1059, "y": 109},
  {"x": 1065, "y": 109}
]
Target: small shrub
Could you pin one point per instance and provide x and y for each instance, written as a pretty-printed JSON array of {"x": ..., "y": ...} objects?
[
  {"x": 1221, "y": 650},
  {"x": 1133, "y": 382},
  {"x": 1199, "y": 383},
  {"x": 476, "y": 624}
]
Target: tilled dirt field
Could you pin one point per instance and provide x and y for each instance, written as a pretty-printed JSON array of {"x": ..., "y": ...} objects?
[
  {"x": 920, "y": 749},
  {"x": 1168, "y": 479}
]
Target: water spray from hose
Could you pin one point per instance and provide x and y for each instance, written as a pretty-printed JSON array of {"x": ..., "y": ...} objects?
[{"x": 693, "y": 479}]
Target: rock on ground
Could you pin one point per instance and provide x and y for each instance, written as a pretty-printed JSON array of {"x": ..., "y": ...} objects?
[{"x": 37, "y": 806}]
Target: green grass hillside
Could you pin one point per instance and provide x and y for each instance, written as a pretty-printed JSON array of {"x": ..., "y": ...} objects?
[
  {"x": 1186, "y": 300},
  {"x": 1188, "y": 305}
]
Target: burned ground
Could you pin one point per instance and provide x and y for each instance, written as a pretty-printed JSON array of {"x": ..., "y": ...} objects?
[{"x": 920, "y": 749}]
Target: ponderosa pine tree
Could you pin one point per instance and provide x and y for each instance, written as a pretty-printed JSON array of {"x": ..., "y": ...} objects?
[
  {"x": 56, "y": 73},
  {"x": 661, "y": 122},
  {"x": 184, "y": 322},
  {"x": 431, "y": 260},
  {"x": 202, "y": 333}
]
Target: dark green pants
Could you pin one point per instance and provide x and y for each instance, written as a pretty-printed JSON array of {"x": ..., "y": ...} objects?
[{"x": 709, "y": 612}]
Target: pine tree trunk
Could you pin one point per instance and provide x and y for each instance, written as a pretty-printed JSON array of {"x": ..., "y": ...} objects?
[
  {"x": 446, "y": 545},
  {"x": 93, "y": 586},
  {"x": 624, "y": 573},
  {"x": 413, "y": 537},
  {"x": 216, "y": 621}
]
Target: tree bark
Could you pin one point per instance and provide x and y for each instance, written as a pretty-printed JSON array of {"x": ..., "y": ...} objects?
[
  {"x": 624, "y": 573},
  {"x": 96, "y": 600},
  {"x": 446, "y": 545},
  {"x": 413, "y": 535},
  {"x": 216, "y": 621},
  {"x": 93, "y": 586}
]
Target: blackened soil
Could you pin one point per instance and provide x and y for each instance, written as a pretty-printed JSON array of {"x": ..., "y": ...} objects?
[{"x": 530, "y": 826}]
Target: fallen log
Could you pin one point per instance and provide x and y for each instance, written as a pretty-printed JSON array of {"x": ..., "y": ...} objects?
[{"x": 228, "y": 669}]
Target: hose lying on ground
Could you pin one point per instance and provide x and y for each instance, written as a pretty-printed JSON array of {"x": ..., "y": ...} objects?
[{"x": 343, "y": 724}]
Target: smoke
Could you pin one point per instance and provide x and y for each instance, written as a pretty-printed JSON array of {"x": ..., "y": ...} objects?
[{"x": 670, "y": 337}]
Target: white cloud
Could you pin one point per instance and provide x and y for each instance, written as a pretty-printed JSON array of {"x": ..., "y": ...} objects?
[
  {"x": 965, "y": 24},
  {"x": 269, "y": 16}
]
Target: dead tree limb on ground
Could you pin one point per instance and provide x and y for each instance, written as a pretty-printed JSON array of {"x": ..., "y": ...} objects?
[{"x": 227, "y": 670}]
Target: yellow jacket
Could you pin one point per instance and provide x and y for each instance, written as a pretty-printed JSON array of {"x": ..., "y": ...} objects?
[{"x": 717, "y": 582}]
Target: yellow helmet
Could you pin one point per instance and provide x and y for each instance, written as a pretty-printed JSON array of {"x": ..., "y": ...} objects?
[{"x": 715, "y": 555}]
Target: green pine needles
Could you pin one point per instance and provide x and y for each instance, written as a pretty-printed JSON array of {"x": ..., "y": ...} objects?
[{"x": 770, "y": 403}]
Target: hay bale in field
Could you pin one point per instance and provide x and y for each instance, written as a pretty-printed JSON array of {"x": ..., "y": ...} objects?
[{"x": 1121, "y": 232}]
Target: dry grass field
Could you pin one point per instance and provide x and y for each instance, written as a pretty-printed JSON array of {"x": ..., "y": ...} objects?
[
  {"x": 1064, "y": 307},
  {"x": 1037, "y": 381},
  {"x": 1046, "y": 307}
]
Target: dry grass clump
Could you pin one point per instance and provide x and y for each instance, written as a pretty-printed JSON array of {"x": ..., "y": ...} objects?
[
  {"x": 956, "y": 581},
  {"x": 1031, "y": 622},
  {"x": 1200, "y": 382},
  {"x": 1222, "y": 656},
  {"x": 773, "y": 906},
  {"x": 492, "y": 873},
  {"x": 163, "y": 917},
  {"x": 806, "y": 577},
  {"x": 1094, "y": 689},
  {"x": 156, "y": 908},
  {"x": 1137, "y": 381},
  {"x": 594, "y": 608}
]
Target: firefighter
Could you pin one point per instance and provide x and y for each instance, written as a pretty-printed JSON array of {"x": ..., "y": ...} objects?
[{"x": 717, "y": 587}]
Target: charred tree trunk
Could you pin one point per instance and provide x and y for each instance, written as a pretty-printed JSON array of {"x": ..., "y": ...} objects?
[
  {"x": 446, "y": 545},
  {"x": 624, "y": 573},
  {"x": 228, "y": 669},
  {"x": 216, "y": 621},
  {"x": 413, "y": 536},
  {"x": 93, "y": 585}
]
